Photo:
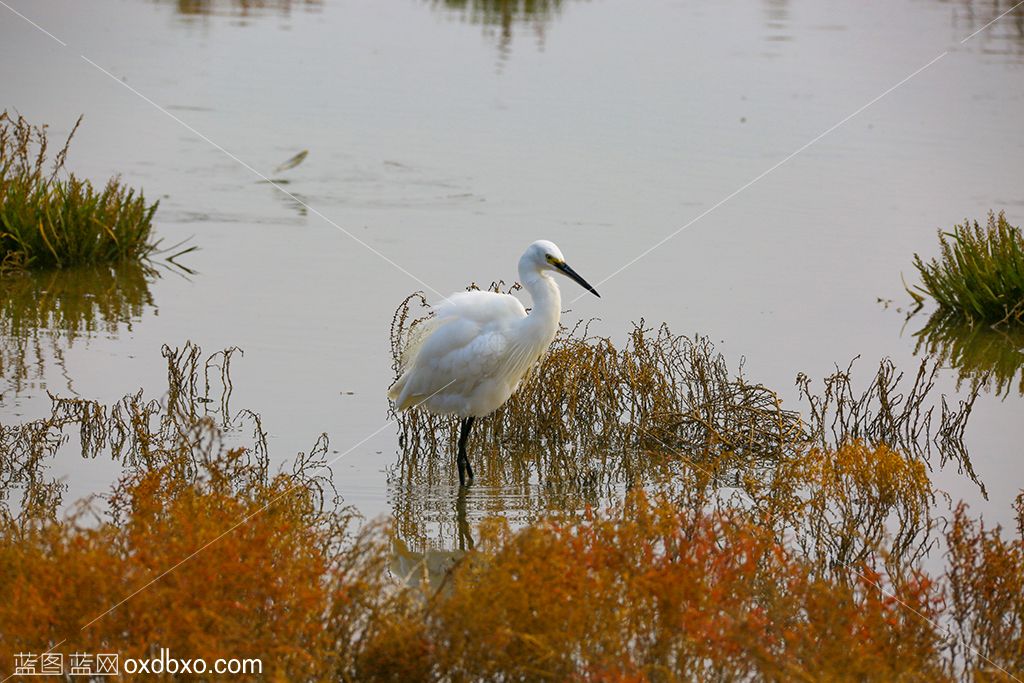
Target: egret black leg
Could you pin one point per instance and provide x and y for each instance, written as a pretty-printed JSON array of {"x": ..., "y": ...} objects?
[{"x": 463, "y": 461}]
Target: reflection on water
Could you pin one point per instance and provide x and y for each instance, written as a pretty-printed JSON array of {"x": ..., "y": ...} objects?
[
  {"x": 1005, "y": 36},
  {"x": 837, "y": 507},
  {"x": 984, "y": 356},
  {"x": 42, "y": 314},
  {"x": 432, "y": 565},
  {"x": 777, "y": 23},
  {"x": 242, "y": 8},
  {"x": 188, "y": 426},
  {"x": 415, "y": 568},
  {"x": 520, "y": 482},
  {"x": 504, "y": 15}
]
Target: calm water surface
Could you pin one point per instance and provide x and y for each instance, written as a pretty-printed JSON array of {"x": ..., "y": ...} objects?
[{"x": 447, "y": 136}]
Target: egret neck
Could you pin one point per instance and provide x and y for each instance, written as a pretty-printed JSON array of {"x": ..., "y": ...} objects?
[{"x": 542, "y": 322}]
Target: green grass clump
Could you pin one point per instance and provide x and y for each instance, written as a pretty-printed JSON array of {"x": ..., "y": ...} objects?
[
  {"x": 980, "y": 274},
  {"x": 48, "y": 221}
]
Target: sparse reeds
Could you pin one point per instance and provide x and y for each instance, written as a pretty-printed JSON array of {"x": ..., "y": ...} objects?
[
  {"x": 979, "y": 275},
  {"x": 891, "y": 413},
  {"x": 52, "y": 219},
  {"x": 589, "y": 398},
  {"x": 142, "y": 434},
  {"x": 594, "y": 413}
]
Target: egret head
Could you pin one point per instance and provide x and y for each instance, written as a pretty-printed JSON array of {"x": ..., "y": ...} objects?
[{"x": 545, "y": 256}]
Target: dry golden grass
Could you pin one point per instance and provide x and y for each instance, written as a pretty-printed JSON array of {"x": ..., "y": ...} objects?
[
  {"x": 665, "y": 392},
  {"x": 652, "y": 591},
  {"x": 986, "y": 593},
  {"x": 647, "y": 591},
  {"x": 767, "y": 561}
]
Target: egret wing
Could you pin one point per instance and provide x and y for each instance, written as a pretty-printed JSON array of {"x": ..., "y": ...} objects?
[
  {"x": 482, "y": 307},
  {"x": 466, "y": 343}
]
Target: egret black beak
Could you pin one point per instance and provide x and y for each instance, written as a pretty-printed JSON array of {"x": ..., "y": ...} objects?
[{"x": 574, "y": 276}]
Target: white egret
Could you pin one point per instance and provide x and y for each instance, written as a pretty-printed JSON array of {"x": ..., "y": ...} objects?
[{"x": 468, "y": 358}]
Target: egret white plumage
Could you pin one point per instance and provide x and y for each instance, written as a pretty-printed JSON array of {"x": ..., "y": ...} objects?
[{"x": 470, "y": 355}]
